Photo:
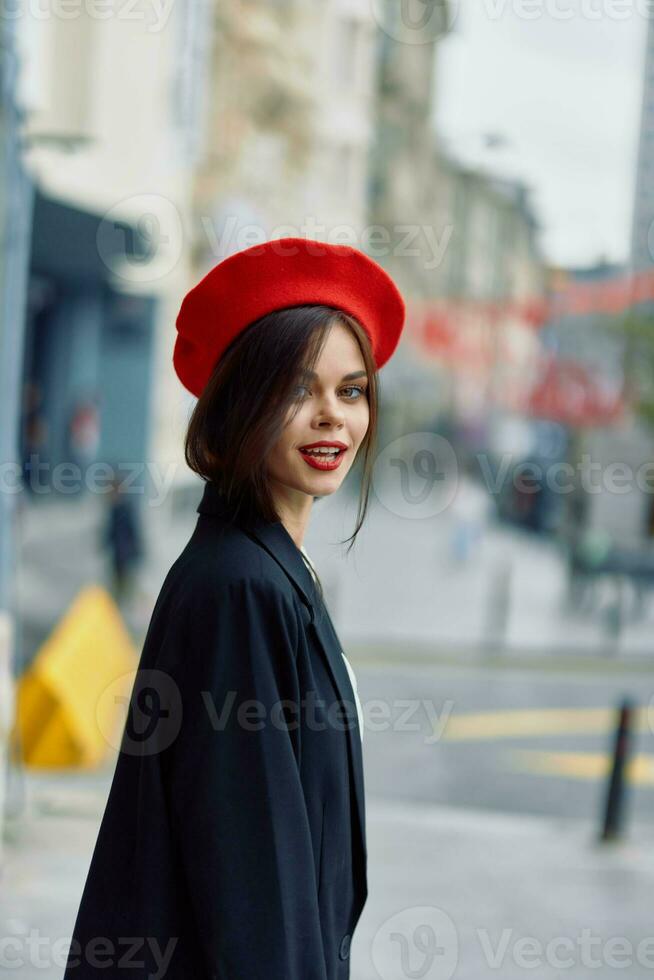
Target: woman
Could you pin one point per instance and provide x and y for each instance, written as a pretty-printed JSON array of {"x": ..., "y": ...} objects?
[{"x": 233, "y": 842}]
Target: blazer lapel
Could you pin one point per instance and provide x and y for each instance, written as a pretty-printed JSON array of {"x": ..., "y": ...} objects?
[
  {"x": 332, "y": 649},
  {"x": 276, "y": 540}
]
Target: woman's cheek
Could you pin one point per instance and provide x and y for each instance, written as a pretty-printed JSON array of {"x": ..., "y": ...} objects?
[{"x": 364, "y": 421}]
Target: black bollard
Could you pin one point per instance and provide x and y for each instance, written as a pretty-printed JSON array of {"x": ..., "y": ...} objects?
[{"x": 614, "y": 811}]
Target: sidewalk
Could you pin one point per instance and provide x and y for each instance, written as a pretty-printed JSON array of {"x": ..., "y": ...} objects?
[
  {"x": 431, "y": 609},
  {"x": 454, "y": 887}
]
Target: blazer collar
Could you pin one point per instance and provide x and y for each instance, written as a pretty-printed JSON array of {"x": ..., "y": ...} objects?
[{"x": 273, "y": 536}]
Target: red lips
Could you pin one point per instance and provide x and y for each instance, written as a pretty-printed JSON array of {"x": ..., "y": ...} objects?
[{"x": 321, "y": 461}]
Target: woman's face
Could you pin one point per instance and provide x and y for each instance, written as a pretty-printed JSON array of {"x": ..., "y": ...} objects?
[{"x": 333, "y": 409}]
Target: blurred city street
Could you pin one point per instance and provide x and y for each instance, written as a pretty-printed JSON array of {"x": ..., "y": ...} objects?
[{"x": 481, "y": 175}]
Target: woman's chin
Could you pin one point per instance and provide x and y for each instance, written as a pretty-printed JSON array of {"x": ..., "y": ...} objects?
[
  {"x": 327, "y": 481},
  {"x": 322, "y": 485}
]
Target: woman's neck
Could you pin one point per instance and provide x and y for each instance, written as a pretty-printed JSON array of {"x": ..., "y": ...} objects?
[{"x": 294, "y": 509}]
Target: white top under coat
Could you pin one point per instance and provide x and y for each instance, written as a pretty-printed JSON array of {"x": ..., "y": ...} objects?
[{"x": 353, "y": 680}]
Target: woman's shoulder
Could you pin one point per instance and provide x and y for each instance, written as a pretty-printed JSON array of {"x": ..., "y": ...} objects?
[{"x": 224, "y": 591}]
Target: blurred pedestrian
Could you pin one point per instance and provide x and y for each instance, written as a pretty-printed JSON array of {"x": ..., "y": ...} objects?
[
  {"x": 84, "y": 431},
  {"x": 470, "y": 512},
  {"x": 121, "y": 536},
  {"x": 34, "y": 429}
]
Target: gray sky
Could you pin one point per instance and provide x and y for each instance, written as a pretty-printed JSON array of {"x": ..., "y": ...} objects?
[{"x": 566, "y": 95}]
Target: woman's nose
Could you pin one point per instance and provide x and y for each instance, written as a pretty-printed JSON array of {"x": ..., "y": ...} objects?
[{"x": 330, "y": 407}]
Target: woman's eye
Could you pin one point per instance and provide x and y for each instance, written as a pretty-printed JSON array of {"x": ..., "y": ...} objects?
[
  {"x": 358, "y": 388},
  {"x": 299, "y": 389}
]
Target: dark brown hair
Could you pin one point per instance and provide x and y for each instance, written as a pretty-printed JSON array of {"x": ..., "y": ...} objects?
[{"x": 242, "y": 410}]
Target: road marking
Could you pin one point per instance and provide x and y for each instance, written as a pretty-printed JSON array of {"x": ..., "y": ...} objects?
[
  {"x": 581, "y": 765},
  {"x": 540, "y": 721}
]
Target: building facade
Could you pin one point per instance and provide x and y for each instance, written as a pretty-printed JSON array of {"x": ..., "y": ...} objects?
[
  {"x": 642, "y": 224},
  {"x": 110, "y": 153}
]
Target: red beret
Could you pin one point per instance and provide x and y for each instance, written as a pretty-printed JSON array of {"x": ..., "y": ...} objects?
[{"x": 271, "y": 276}]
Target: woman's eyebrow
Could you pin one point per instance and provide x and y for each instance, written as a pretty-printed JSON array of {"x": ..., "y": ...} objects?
[{"x": 346, "y": 377}]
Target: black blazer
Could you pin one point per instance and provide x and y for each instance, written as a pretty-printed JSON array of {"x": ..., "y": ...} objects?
[{"x": 232, "y": 845}]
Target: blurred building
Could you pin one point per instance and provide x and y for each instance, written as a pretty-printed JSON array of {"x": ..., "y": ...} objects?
[
  {"x": 634, "y": 443},
  {"x": 406, "y": 230},
  {"x": 493, "y": 252},
  {"x": 582, "y": 335},
  {"x": 114, "y": 116},
  {"x": 462, "y": 244},
  {"x": 488, "y": 287},
  {"x": 586, "y": 390},
  {"x": 16, "y": 199},
  {"x": 642, "y": 230},
  {"x": 290, "y": 127},
  {"x": 403, "y": 200}
]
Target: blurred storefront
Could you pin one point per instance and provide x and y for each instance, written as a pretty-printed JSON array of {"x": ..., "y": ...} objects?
[{"x": 88, "y": 349}]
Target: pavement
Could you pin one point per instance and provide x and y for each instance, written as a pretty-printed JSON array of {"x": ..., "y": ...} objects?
[
  {"x": 402, "y": 593},
  {"x": 452, "y": 892}
]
